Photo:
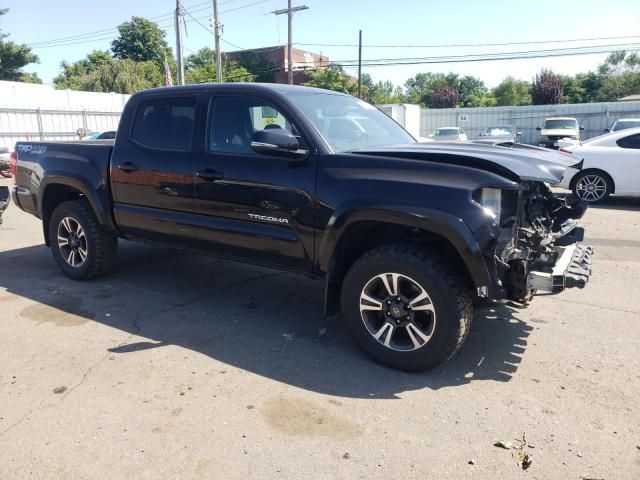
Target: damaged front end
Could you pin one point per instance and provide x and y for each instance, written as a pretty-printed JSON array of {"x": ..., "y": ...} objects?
[{"x": 539, "y": 248}]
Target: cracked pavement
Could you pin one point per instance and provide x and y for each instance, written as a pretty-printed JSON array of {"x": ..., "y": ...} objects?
[{"x": 185, "y": 366}]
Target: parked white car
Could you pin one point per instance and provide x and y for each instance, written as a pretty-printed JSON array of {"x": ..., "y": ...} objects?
[
  {"x": 623, "y": 124},
  {"x": 611, "y": 164},
  {"x": 449, "y": 134}
]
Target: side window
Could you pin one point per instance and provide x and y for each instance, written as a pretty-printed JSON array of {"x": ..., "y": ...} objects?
[
  {"x": 235, "y": 119},
  {"x": 165, "y": 123},
  {"x": 632, "y": 141}
]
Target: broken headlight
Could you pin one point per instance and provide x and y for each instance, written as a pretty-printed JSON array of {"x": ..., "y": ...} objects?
[{"x": 490, "y": 199}]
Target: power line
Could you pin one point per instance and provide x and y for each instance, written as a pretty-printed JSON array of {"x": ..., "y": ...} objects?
[
  {"x": 486, "y": 58},
  {"x": 99, "y": 35},
  {"x": 452, "y": 45}
]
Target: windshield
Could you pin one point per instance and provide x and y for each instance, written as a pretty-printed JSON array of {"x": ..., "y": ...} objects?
[
  {"x": 446, "y": 132},
  {"x": 624, "y": 124},
  {"x": 347, "y": 123},
  {"x": 552, "y": 124},
  {"x": 498, "y": 131}
]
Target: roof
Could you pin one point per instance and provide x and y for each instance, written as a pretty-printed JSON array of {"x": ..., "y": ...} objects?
[
  {"x": 630, "y": 98},
  {"x": 560, "y": 118},
  {"x": 243, "y": 87}
]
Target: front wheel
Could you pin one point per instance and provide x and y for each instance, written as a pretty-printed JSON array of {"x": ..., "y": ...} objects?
[
  {"x": 592, "y": 186},
  {"x": 407, "y": 307},
  {"x": 80, "y": 246}
]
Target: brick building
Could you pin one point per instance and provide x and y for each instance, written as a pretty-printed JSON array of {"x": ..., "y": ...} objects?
[{"x": 270, "y": 63}]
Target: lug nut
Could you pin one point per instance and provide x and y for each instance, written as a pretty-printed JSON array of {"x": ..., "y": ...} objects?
[
  {"x": 398, "y": 298},
  {"x": 388, "y": 302},
  {"x": 388, "y": 314}
]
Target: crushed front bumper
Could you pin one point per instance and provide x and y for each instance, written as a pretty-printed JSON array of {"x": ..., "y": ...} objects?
[{"x": 567, "y": 267}]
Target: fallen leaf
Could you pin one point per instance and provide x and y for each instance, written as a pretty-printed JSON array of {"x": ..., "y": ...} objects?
[{"x": 59, "y": 390}]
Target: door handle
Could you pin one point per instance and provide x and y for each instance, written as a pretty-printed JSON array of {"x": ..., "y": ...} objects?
[
  {"x": 128, "y": 167},
  {"x": 209, "y": 174}
]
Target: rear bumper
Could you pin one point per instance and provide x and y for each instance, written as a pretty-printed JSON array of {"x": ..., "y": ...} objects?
[{"x": 571, "y": 269}]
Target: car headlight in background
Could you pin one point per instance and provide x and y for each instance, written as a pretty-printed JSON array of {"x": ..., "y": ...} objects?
[{"x": 490, "y": 199}]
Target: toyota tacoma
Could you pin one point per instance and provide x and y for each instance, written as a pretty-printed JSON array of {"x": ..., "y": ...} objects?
[{"x": 406, "y": 236}]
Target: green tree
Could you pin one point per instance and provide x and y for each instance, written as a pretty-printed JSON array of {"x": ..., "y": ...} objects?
[
  {"x": 13, "y": 57},
  {"x": 333, "y": 78},
  {"x": 122, "y": 76},
  {"x": 385, "y": 92},
  {"x": 548, "y": 88},
  {"x": 471, "y": 90},
  {"x": 620, "y": 76},
  {"x": 200, "y": 67},
  {"x": 512, "y": 92},
  {"x": 72, "y": 75},
  {"x": 141, "y": 40},
  {"x": 419, "y": 88}
]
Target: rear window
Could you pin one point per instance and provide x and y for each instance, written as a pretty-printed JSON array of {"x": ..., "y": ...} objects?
[{"x": 165, "y": 123}]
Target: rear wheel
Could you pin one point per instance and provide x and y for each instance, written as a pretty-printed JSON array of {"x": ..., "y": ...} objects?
[
  {"x": 407, "y": 307},
  {"x": 592, "y": 186},
  {"x": 80, "y": 246}
]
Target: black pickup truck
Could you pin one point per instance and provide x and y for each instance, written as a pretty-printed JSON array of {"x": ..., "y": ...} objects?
[{"x": 405, "y": 235}]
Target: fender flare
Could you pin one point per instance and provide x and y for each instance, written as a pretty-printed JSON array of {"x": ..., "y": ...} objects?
[
  {"x": 98, "y": 204},
  {"x": 441, "y": 223}
]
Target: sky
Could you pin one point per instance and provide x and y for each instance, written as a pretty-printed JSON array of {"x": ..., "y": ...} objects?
[{"x": 248, "y": 24}]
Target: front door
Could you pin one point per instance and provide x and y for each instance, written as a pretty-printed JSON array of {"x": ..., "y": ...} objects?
[{"x": 251, "y": 205}]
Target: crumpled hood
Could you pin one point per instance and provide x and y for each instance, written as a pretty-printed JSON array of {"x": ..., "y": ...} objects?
[
  {"x": 559, "y": 132},
  {"x": 518, "y": 163}
]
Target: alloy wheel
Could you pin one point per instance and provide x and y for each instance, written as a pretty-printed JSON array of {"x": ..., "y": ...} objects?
[
  {"x": 397, "y": 311},
  {"x": 72, "y": 242},
  {"x": 591, "y": 188}
]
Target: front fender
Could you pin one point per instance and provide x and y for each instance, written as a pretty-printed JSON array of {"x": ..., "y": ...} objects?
[{"x": 441, "y": 223}]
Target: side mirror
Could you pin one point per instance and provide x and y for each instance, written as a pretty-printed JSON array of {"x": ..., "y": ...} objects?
[
  {"x": 518, "y": 134},
  {"x": 581, "y": 128},
  {"x": 277, "y": 142},
  {"x": 538, "y": 128},
  {"x": 607, "y": 130}
]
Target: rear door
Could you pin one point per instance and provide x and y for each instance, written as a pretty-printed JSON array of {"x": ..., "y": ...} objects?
[
  {"x": 254, "y": 206},
  {"x": 152, "y": 169}
]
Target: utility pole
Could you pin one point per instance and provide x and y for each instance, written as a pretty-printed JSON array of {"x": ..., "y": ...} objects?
[
  {"x": 217, "y": 27},
  {"x": 180, "y": 59},
  {"x": 289, "y": 11},
  {"x": 360, "y": 65}
]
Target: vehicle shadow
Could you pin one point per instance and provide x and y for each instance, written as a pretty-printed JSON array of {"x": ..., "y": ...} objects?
[
  {"x": 260, "y": 320},
  {"x": 619, "y": 203}
]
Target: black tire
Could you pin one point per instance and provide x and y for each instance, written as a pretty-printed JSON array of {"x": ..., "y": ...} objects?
[
  {"x": 448, "y": 294},
  {"x": 6, "y": 173},
  {"x": 602, "y": 185},
  {"x": 100, "y": 246}
]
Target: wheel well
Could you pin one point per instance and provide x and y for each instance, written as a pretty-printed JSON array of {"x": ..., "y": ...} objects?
[
  {"x": 54, "y": 195},
  {"x": 594, "y": 170},
  {"x": 364, "y": 236}
]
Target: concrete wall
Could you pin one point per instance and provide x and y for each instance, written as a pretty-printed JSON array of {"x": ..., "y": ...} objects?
[
  {"x": 40, "y": 112},
  {"x": 595, "y": 117}
]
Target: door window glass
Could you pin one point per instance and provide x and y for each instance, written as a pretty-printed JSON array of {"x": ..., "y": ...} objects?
[
  {"x": 235, "y": 119},
  {"x": 165, "y": 123}
]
